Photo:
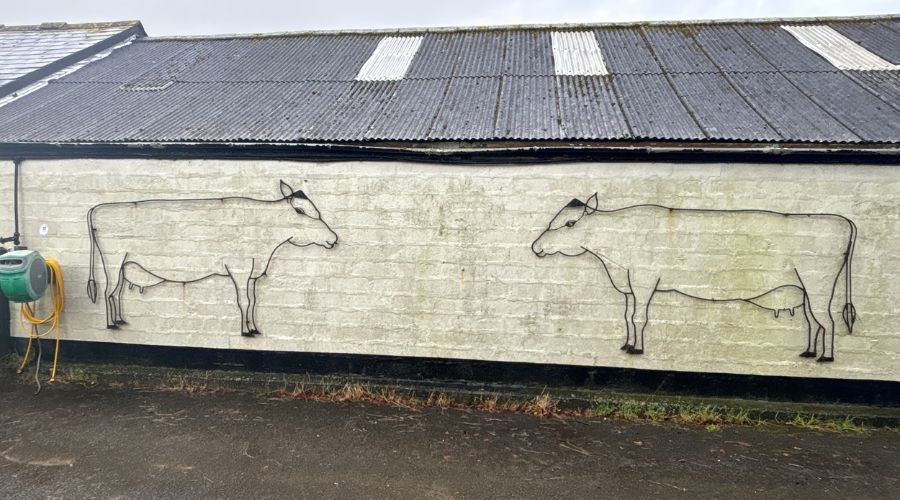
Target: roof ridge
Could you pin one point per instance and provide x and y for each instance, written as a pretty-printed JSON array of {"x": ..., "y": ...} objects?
[
  {"x": 527, "y": 27},
  {"x": 62, "y": 26}
]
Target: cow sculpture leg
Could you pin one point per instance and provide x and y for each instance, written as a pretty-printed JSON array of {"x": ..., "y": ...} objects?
[
  {"x": 812, "y": 331},
  {"x": 819, "y": 290},
  {"x": 245, "y": 291},
  {"x": 251, "y": 306},
  {"x": 629, "y": 326},
  {"x": 642, "y": 295},
  {"x": 239, "y": 287},
  {"x": 821, "y": 312},
  {"x": 118, "y": 319},
  {"x": 113, "y": 297}
]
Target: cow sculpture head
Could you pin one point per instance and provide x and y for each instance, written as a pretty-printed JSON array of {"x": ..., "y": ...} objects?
[
  {"x": 317, "y": 231},
  {"x": 562, "y": 234}
]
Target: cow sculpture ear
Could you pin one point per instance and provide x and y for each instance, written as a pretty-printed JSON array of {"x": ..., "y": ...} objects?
[
  {"x": 592, "y": 203},
  {"x": 286, "y": 190}
]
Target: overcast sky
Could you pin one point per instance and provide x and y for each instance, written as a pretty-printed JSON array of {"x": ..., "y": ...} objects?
[{"x": 187, "y": 17}]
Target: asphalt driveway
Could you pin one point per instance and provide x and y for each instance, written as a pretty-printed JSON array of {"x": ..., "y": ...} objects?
[{"x": 76, "y": 442}]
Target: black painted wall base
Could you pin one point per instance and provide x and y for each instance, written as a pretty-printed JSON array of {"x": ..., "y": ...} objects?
[
  {"x": 5, "y": 325},
  {"x": 812, "y": 390}
]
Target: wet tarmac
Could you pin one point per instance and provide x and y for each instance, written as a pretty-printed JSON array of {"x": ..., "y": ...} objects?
[{"x": 77, "y": 442}]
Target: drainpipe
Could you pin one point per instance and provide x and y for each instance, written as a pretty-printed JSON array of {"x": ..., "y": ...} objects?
[
  {"x": 17, "y": 164},
  {"x": 5, "y": 337}
]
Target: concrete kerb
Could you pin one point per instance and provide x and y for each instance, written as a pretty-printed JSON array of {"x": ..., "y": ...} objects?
[{"x": 560, "y": 400}]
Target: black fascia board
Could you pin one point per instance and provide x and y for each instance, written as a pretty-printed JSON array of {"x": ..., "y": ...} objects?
[{"x": 489, "y": 155}]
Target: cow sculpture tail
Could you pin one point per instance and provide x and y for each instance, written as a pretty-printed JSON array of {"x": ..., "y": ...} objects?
[
  {"x": 849, "y": 312},
  {"x": 92, "y": 283}
]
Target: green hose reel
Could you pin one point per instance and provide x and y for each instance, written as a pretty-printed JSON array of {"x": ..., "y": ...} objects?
[{"x": 23, "y": 275}]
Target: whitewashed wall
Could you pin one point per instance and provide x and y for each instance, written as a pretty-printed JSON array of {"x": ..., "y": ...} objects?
[{"x": 435, "y": 261}]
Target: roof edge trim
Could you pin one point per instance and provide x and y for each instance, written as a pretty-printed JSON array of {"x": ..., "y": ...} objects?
[{"x": 560, "y": 26}]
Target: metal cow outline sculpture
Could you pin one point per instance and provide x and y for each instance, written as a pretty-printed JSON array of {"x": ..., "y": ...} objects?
[
  {"x": 790, "y": 277},
  {"x": 244, "y": 271}
]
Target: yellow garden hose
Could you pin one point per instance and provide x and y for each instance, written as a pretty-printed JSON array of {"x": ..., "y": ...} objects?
[{"x": 28, "y": 313}]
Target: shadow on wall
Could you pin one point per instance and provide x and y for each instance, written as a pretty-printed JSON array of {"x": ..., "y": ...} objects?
[
  {"x": 775, "y": 261},
  {"x": 147, "y": 243}
]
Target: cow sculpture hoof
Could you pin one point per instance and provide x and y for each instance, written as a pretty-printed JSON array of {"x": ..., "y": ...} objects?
[
  {"x": 112, "y": 327},
  {"x": 825, "y": 359},
  {"x": 246, "y": 334},
  {"x": 254, "y": 332},
  {"x": 632, "y": 350},
  {"x": 808, "y": 354},
  {"x": 121, "y": 322},
  {"x": 626, "y": 347}
]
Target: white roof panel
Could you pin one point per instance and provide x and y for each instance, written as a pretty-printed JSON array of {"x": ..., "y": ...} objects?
[
  {"x": 577, "y": 53},
  {"x": 391, "y": 59},
  {"x": 839, "y": 50}
]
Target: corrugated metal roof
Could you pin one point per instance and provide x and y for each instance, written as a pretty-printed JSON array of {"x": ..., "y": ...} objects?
[
  {"x": 884, "y": 84},
  {"x": 676, "y": 51},
  {"x": 778, "y": 100},
  {"x": 351, "y": 115},
  {"x": 780, "y": 49},
  {"x": 738, "y": 81},
  {"x": 838, "y": 49},
  {"x": 526, "y": 54},
  {"x": 626, "y": 51},
  {"x": 529, "y": 109},
  {"x": 29, "y": 53},
  {"x": 411, "y": 111},
  {"x": 437, "y": 57},
  {"x": 588, "y": 108},
  {"x": 719, "y": 110},
  {"x": 869, "y": 117},
  {"x": 882, "y": 39},
  {"x": 654, "y": 110},
  {"x": 468, "y": 110},
  {"x": 480, "y": 53},
  {"x": 729, "y": 51}
]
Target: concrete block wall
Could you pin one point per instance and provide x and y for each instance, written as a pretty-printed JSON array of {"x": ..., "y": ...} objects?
[{"x": 435, "y": 260}]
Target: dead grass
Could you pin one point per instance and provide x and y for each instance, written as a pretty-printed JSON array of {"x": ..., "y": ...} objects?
[
  {"x": 487, "y": 403},
  {"x": 439, "y": 400},
  {"x": 350, "y": 392},
  {"x": 544, "y": 404},
  {"x": 710, "y": 417},
  {"x": 186, "y": 385}
]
